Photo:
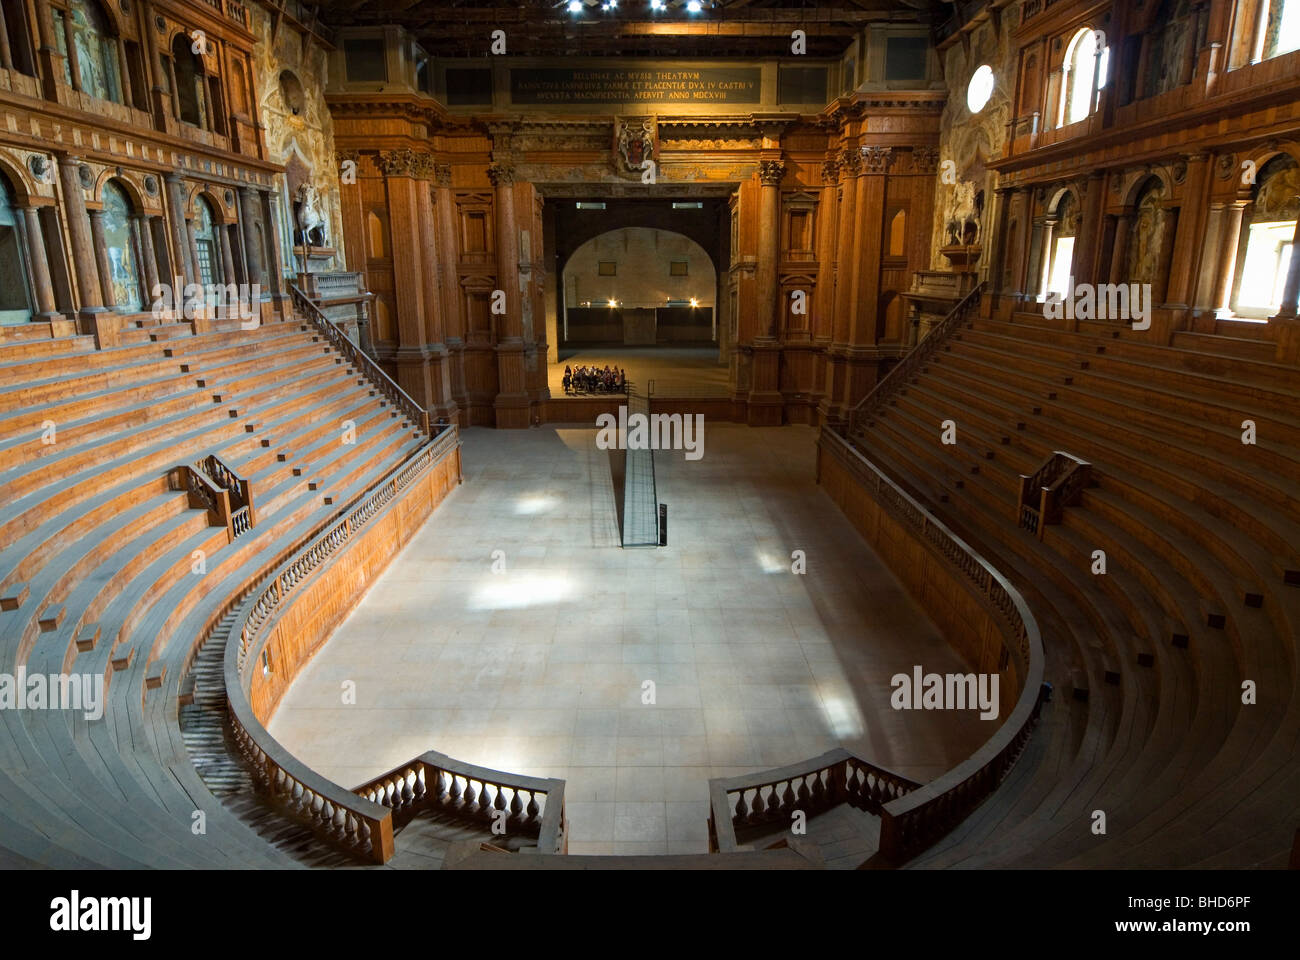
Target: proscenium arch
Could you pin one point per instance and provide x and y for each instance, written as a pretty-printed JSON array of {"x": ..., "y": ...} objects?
[
  {"x": 564, "y": 264},
  {"x": 575, "y": 227},
  {"x": 706, "y": 287}
]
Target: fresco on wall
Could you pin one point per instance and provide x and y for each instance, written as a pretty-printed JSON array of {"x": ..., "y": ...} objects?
[
  {"x": 969, "y": 140},
  {"x": 1147, "y": 233},
  {"x": 299, "y": 133}
]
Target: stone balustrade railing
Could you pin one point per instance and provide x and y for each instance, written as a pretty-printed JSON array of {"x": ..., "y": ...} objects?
[
  {"x": 748, "y": 805},
  {"x": 508, "y": 804},
  {"x": 906, "y": 368},
  {"x": 336, "y": 339}
]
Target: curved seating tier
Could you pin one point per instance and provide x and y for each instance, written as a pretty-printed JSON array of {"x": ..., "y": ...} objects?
[
  {"x": 108, "y": 569},
  {"x": 1201, "y": 540}
]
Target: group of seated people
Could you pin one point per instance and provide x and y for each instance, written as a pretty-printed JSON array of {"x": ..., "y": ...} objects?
[{"x": 595, "y": 380}]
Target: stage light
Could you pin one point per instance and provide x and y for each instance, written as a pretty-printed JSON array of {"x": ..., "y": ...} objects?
[
  {"x": 575, "y": 6},
  {"x": 694, "y": 302},
  {"x": 613, "y": 303},
  {"x": 656, "y": 4},
  {"x": 693, "y": 6}
]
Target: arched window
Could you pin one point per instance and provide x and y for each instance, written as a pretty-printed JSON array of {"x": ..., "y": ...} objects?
[
  {"x": 1274, "y": 27},
  {"x": 15, "y": 298},
  {"x": 19, "y": 52},
  {"x": 1083, "y": 75},
  {"x": 89, "y": 47},
  {"x": 1058, "y": 259},
  {"x": 207, "y": 244},
  {"x": 1267, "y": 236},
  {"x": 191, "y": 105},
  {"x": 120, "y": 240}
]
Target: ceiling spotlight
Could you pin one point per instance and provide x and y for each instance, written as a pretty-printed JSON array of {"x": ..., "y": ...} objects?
[
  {"x": 575, "y": 6},
  {"x": 694, "y": 302},
  {"x": 656, "y": 4},
  {"x": 693, "y": 6},
  {"x": 613, "y": 303}
]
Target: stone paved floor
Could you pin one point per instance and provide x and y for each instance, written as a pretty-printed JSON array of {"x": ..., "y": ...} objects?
[{"x": 540, "y": 669}]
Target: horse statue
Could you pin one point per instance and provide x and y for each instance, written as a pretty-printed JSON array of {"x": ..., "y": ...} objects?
[
  {"x": 310, "y": 217},
  {"x": 962, "y": 220}
]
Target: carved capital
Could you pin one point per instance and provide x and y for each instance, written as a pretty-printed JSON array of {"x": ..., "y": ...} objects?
[
  {"x": 830, "y": 170},
  {"x": 397, "y": 163},
  {"x": 876, "y": 159},
  {"x": 422, "y": 166},
  {"x": 342, "y": 156},
  {"x": 442, "y": 174},
  {"x": 850, "y": 163},
  {"x": 771, "y": 172},
  {"x": 925, "y": 160},
  {"x": 501, "y": 174}
]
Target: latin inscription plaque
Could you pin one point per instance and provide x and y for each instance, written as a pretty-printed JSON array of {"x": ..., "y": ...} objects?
[{"x": 635, "y": 85}]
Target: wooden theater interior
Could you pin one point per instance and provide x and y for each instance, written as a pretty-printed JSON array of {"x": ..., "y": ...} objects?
[{"x": 311, "y": 554}]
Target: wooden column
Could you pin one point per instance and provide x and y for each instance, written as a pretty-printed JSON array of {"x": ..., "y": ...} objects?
[
  {"x": 42, "y": 286},
  {"x": 101, "y": 257},
  {"x": 1086, "y": 267},
  {"x": 183, "y": 255},
  {"x": 770, "y": 173},
  {"x": 148, "y": 260},
  {"x": 447, "y": 251},
  {"x": 765, "y": 401},
  {"x": 1180, "y": 292},
  {"x": 227, "y": 258},
  {"x": 512, "y": 401},
  {"x": 850, "y": 161},
  {"x": 1118, "y": 271},
  {"x": 6, "y": 56},
  {"x": 49, "y": 60},
  {"x": 871, "y": 210},
  {"x": 252, "y": 249},
  {"x": 83, "y": 247},
  {"x": 274, "y": 268},
  {"x": 434, "y": 324},
  {"x": 1226, "y": 266},
  {"x": 823, "y": 306},
  {"x": 408, "y": 258}
]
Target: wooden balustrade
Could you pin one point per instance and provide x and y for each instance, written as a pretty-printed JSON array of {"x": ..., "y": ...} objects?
[
  {"x": 361, "y": 822},
  {"x": 919, "y": 815},
  {"x": 224, "y": 477},
  {"x": 399, "y": 397},
  {"x": 743, "y": 806},
  {"x": 906, "y": 368},
  {"x": 527, "y": 806},
  {"x": 1055, "y": 485}
]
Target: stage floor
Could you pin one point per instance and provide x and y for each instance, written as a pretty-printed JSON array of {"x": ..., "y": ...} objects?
[
  {"x": 539, "y": 669},
  {"x": 676, "y": 371}
]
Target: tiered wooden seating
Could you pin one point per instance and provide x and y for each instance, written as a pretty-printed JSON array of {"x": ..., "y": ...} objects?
[
  {"x": 1201, "y": 538},
  {"x": 97, "y": 555}
]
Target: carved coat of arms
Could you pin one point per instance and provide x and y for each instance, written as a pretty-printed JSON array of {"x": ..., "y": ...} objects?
[{"x": 635, "y": 141}]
